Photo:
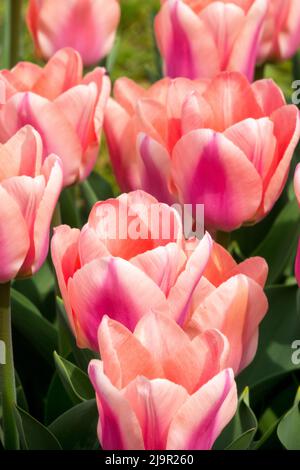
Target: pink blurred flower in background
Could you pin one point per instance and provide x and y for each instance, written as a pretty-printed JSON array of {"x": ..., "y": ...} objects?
[
  {"x": 66, "y": 108},
  {"x": 224, "y": 143},
  {"x": 29, "y": 190},
  {"x": 196, "y": 283},
  {"x": 89, "y": 26},
  {"x": 281, "y": 36},
  {"x": 156, "y": 389},
  {"x": 297, "y": 191},
  {"x": 200, "y": 38}
]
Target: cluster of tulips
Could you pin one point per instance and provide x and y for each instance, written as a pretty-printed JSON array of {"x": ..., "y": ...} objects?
[{"x": 173, "y": 319}]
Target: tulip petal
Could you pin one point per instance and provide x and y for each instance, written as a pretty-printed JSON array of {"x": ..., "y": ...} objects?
[
  {"x": 178, "y": 30},
  {"x": 297, "y": 182},
  {"x": 124, "y": 357},
  {"x": 287, "y": 139},
  {"x": 231, "y": 89},
  {"x": 87, "y": 26},
  {"x": 110, "y": 286},
  {"x": 155, "y": 168},
  {"x": 53, "y": 172},
  {"x": 180, "y": 296},
  {"x": 21, "y": 154},
  {"x": 297, "y": 265},
  {"x": 214, "y": 349},
  {"x": 155, "y": 402},
  {"x": 13, "y": 249},
  {"x": 118, "y": 427},
  {"x": 255, "y": 137},
  {"x": 204, "y": 415},
  {"x": 121, "y": 141},
  {"x": 65, "y": 257},
  {"x": 27, "y": 192},
  {"x": 209, "y": 169},
  {"x": 162, "y": 265},
  {"x": 171, "y": 348},
  {"x": 62, "y": 71},
  {"x": 127, "y": 93},
  {"x": 46, "y": 118},
  {"x": 245, "y": 51},
  {"x": 269, "y": 96}
]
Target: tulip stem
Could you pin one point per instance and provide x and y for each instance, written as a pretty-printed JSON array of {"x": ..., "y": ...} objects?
[
  {"x": 13, "y": 30},
  {"x": 7, "y": 372}
]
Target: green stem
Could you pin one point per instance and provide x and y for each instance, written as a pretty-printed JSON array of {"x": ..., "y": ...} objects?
[
  {"x": 7, "y": 373},
  {"x": 13, "y": 30}
]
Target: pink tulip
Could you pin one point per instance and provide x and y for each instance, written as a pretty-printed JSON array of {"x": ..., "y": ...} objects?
[
  {"x": 99, "y": 272},
  {"x": 103, "y": 271},
  {"x": 230, "y": 298},
  {"x": 29, "y": 190},
  {"x": 194, "y": 142},
  {"x": 297, "y": 191},
  {"x": 281, "y": 37},
  {"x": 200, "y": 38},
  {"x": 89, "y": 26},
  {"x": 158, "y": 390},
  {"x": 65, "y": 108}
]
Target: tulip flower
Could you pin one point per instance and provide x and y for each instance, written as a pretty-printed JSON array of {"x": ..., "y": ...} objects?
[
  {"x": 176, "y": 141},
  {"x": 29, "y": 190},
  {"x": 199, "y": 39},
  {"x": 65, "y": 108},
  {"x": 89, "y": 26},
  {"x": 297, "y": 191},
  {"x": 281, "y": 36},
  {"x": 106, "y": 270},
  {"x": 158, "y": 390}
]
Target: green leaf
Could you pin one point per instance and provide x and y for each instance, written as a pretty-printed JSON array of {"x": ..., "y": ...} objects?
[
  {"x": 21, "y": 398},
  {"x": 68, "y": 207},
  {"x": 81, "y": 356},
  {"x": 75, "y": 381},
  {"x": 278, "y": 331},
  {"x": 33, "y": 326},
  {"x": 76, "y": 429},
  {"x": 281, "y": 242},
  {"x": 96, "y": 188},
  {"x": 241, "y": 430},
  {"x": 33, "y": 434},
  {"x": 57, "y": 400},
  {"x": 288, "y": 430}
]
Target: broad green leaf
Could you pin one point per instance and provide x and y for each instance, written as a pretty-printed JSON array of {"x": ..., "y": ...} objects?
[
  {"x": 81, "y": 356},
  {"x": 96, "y": 188},
  {"x": 33, "y": 326},
  {"x": 40, "y": 290},
  {"x": 33, "y": 434},
  {"x": 21, "y": 398},
  {"x": 288, "y": 430},
  {"x": 76, "y": 429},
  {"x": 57, "y": 400},
  {"x": 241, "y": 430},
  {"x": 278, "y": 331},
  {"x": 75, "y": 381},
  {"x": 281, "y": 242},
  {"x": 68, "y": 207},
  {"x": 243, "y": 442}
]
